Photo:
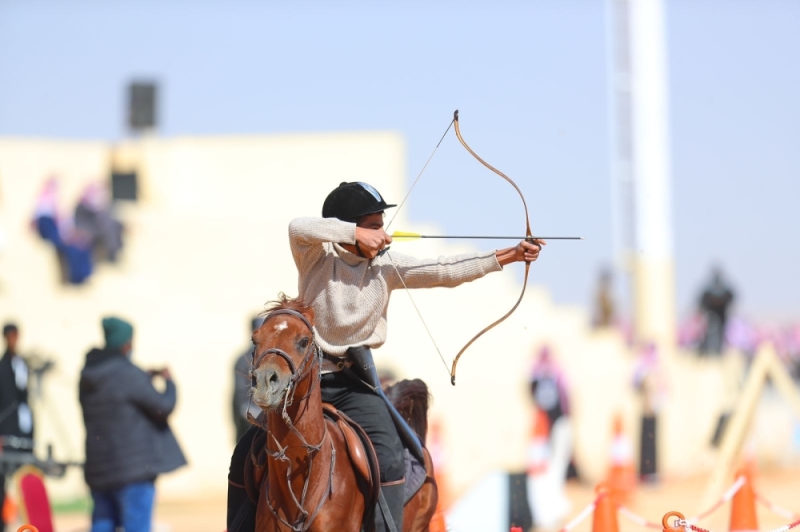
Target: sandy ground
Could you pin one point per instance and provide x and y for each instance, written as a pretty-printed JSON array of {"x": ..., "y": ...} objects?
[
  {"x": 170, "y": 516},
  {"x": 651, "y": 502}
]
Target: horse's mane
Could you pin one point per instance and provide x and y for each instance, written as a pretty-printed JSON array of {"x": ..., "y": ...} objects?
[
  {"x": 285, "y": 302},
  {"x": 411, "y": 398}
]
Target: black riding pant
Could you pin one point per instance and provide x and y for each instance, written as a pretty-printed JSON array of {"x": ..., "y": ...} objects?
[
  {"x": 241, "y": 510},
  {"x": 366, "y": 408}
]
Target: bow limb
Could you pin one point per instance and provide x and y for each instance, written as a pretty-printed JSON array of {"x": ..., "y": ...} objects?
[
  {"x": 490, "y": 327},
  {"x": 528, "y": 234}
]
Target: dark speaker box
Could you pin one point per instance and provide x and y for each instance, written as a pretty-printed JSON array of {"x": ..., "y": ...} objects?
[
  {"x": 124, "y": 186},
  {"x": 142, "y": 105}
]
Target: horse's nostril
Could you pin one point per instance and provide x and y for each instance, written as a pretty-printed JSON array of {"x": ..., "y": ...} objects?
[{"x": 273, "y": 378}]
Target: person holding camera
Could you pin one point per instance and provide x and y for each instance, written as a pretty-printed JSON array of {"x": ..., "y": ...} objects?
[{"x": 128, "y": 440}]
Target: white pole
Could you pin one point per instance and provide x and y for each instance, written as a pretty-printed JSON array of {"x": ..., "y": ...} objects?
[
  {"x": 654, "y": 299},
  {"x": 620, "y": 105}
]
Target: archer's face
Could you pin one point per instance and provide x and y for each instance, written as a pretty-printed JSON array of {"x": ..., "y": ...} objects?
[{"x": 371, "y": 221}]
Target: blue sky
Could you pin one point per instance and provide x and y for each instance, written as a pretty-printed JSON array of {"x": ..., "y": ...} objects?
[{"x": 530, "y": 80}]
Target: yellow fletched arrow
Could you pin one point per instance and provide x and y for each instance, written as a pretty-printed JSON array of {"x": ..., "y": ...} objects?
[{"x": 404, "y": 235}]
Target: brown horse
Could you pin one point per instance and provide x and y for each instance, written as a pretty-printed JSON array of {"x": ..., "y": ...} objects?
[{"x": 310, "y": 482}]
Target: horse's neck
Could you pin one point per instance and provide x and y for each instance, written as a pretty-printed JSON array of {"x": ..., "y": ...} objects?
[{"x": 306, "y": 417}]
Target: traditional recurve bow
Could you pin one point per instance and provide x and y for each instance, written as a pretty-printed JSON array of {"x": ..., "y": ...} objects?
[{"x": 528, "y": 236}]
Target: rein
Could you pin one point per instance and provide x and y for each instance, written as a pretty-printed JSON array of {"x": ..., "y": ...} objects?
[{"x": 313, "y": 355}]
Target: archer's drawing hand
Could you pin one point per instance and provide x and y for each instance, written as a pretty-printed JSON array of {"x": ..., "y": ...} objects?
[{"x": 371, "y": 241}]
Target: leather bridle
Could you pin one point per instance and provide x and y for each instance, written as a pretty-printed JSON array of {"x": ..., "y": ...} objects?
[
  {"x": 313, "y": 354},
  {"x": 297, "y": 371}
]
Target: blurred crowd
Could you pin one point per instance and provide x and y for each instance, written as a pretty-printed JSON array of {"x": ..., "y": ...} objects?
[
  {"x": 81, "y": 237},
  {"x": 712, "y": 329},
  {"x": 712, "y": 326}
]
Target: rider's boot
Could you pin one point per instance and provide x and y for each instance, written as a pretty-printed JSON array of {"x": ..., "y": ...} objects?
[{"x": 394, "y": 495}]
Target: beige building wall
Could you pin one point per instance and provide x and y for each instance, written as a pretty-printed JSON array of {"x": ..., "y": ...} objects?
[{"x": 207, "y": 246}]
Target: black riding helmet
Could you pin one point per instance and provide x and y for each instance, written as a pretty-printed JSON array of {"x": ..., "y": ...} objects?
[{"x": 350, "y": 201}]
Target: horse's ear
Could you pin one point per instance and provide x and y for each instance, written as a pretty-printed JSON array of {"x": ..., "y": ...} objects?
[{"x": 308, "y": 312}]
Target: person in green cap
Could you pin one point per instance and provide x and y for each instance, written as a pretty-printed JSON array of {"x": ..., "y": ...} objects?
[{"x": 128, "y": 440}]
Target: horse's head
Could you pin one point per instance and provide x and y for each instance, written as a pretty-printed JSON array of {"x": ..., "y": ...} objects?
[{"x": 284, "y": 352}]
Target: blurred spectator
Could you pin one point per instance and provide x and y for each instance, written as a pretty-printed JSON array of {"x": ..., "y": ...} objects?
[
  {"x": 714, "y": 303},
  {"x": 46, "y": 221},
  {"x": 742, "y": 335},
  {"x": 45, "y": 214},
  {"x": 548, "y": 386},
  {"x": 550, "y": 393},
  {"x": 691, "y": 331},
  {"x": 793, "y": 353},
  {"x": 241, "y": 386},
  {"x": 94, "y": 219},
  {"x": 73, "y": 250},
  {"x": 605, "y": 308},
  {"x": 648, "y": 380},
  {"x": 15, "y": 414},
  {"x": 128, "y": 440},
  {"x": 91, "y": 234}
]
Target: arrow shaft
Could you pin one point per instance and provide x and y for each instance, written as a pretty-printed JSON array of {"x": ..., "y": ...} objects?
[{"x": 400, "y": 237}]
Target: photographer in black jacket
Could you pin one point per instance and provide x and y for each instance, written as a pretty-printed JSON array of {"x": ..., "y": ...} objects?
[{"x": 128, "y": 440}]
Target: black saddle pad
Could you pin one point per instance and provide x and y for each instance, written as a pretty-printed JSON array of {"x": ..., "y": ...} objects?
[{"x": 415, "y": 474}]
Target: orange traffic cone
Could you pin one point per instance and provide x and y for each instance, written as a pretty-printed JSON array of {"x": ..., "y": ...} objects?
[
  {"x": 605, "y": 512},
  {"x": 539, "y": 447},
  {"x": 9, "y": 510},
  {"x": 743, "y": 506},
  {"x": 622, "y": 473}
]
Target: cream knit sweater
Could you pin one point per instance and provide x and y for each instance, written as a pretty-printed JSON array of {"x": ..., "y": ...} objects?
[{"x": 350, "y": 294}]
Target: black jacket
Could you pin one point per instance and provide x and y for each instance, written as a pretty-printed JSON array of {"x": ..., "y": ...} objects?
[
  {"x": 11, "y": 397},
  {"x": 127, "y": 436}
]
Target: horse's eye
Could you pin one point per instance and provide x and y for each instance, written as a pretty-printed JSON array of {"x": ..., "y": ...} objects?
[{"x": 304, "y": 343}]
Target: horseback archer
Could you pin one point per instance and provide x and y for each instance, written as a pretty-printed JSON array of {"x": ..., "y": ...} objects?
[{"x": 346, "y": 275}]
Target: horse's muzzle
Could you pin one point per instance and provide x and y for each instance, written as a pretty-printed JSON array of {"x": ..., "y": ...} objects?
[{"x": 269, "y": 387}]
